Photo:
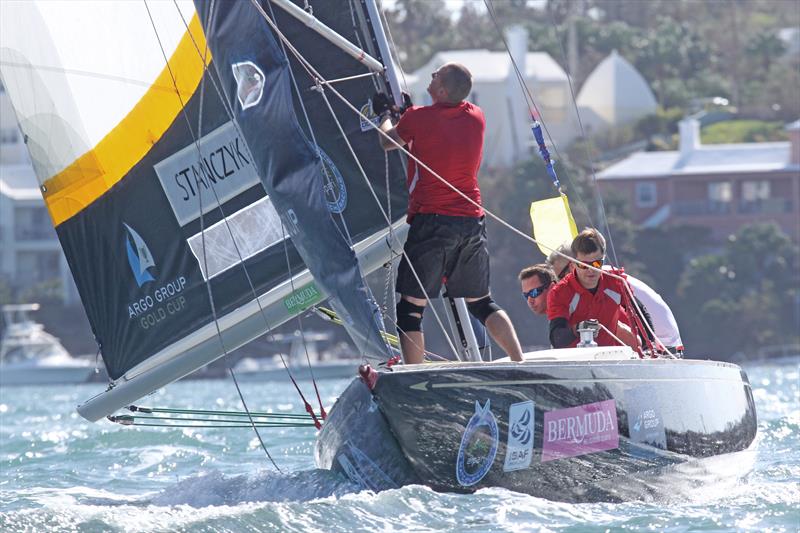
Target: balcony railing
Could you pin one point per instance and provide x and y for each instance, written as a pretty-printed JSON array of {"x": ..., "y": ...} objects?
[
  {"x": 702, "y": 207},
  {"x": 36, "y": 233},
  {"x": 771, "y": 206}
]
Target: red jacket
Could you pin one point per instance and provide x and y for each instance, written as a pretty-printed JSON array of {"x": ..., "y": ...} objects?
[
  {"x": 569, "y": 299},
  {"x": 449, "y": 139}
]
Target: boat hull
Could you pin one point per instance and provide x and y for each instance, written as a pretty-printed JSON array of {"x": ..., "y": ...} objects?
[
  {"x": 13, "y": 375},
  {"x": 571, "y": 431}
]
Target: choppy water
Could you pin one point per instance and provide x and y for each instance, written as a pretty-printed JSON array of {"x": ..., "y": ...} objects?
[{"x": 61, "y": 473}]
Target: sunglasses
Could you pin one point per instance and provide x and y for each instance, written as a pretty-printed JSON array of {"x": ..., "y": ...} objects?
[
  {"x": 564, "y": 271},
  {"x": 533, "y": 293},
  {"x": 597, "y": 263}
]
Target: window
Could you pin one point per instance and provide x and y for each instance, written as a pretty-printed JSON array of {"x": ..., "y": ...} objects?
[
  {"x": 720, "y": 195},
  {"x": 32, "y": 224},
  {"x": 756, "y": 198},
  {"x": 35, "y": 267},
  {"x": 753, "y": 191},
  {"x": 9, "y": 135},
  {"x": 646, "y": 194}
]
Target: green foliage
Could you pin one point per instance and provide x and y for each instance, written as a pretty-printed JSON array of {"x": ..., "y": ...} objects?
[
  {"x": 743, "y": 297},
  {"x": 742, "y": 131}
]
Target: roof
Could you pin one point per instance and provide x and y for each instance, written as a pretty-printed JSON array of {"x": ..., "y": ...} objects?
[
  {"x": 708, "y": 159},
  {"x": 488, "y": 66},
  {"x": 19, "y": 182},
  {"x": 616, "y": 91}
]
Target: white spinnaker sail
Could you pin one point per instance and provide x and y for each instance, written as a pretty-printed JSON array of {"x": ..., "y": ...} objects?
[{"x": 88, "y": 64}]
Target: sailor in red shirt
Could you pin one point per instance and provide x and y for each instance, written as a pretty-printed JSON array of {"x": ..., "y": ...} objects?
[
  {"x": 447, "y": 237},
  {"x": 586, "y": 294}
]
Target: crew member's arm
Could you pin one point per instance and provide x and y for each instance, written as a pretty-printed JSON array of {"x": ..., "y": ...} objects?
[
  {"x": 388, "y": 128},
  {"x": 561, "y": 333}
]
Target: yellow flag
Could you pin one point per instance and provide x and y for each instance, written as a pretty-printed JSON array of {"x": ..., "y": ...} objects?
[{"x": 553, "y": 224}]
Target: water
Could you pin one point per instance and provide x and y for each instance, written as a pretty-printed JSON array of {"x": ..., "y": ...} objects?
[{"x": 61, "y": 473}]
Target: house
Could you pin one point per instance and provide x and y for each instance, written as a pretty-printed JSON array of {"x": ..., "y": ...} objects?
[
  {"x": 720, "y": 186},
  {"x": 497, "y": 90},
  {"x": 614, "y": 94},
  {"x": 30, "y": 252}
]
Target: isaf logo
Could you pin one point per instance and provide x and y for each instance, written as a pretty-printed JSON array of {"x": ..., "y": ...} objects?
[
  {"x": 519, "y": 448},
  {"x": 139, "y": 257}
]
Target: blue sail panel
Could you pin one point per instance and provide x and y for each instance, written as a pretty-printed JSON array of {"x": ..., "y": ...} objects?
[{"x": 256, "y": 80}]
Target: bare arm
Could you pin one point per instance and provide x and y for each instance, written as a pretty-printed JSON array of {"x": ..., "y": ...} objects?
[{"x": 388, "y": 128}]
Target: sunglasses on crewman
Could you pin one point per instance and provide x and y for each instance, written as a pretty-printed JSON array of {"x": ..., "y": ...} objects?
[
  {"x": 597, "y": 263},
  {"x": 533, "y": 293}
]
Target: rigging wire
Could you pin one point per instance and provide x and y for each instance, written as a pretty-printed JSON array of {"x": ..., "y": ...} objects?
[
  {"x": 584, "y": 137},
  {"x": 533, "y": 109},
  {"x": 229, "y": 112},
  {"x": 312, "y": 72},
  {"x": 310, "y": 69},
  {"x": 329, "y": 183},
  {"x": 208, "y": 285}
]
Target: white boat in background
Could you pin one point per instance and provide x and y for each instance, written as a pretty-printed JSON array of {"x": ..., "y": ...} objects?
[
  {"x": 31, "y": 356},
  {"x": 305, "y": 361}
]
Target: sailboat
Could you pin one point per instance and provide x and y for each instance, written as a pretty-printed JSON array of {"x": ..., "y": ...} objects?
[{"x": 212, "y": 171}]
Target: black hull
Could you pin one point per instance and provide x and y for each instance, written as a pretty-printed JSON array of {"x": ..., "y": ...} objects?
[{"x": 571, "y": 431}]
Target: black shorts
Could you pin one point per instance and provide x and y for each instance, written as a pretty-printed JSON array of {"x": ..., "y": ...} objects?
[{"x": 444, "y": 248}]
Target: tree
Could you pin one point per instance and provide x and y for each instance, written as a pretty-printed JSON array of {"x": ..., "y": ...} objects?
[{"x": 744, "y": 297}]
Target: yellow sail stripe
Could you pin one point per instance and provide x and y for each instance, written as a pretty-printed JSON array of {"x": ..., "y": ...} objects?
[{"x": 96, "y": 171}]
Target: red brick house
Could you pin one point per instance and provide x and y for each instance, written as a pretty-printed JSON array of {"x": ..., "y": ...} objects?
[{"x": 721, "y": 186}]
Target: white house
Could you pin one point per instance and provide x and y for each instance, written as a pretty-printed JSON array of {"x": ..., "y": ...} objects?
[
  {"x": 496, "y": 89},
  {"x": 30, "y": 252},
  {"x": 614, "y": 94}
]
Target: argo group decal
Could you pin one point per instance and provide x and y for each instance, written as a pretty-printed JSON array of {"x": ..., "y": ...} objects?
[
  {"x": 478, "y": 446},
  {"x": 580, "y": 430}
]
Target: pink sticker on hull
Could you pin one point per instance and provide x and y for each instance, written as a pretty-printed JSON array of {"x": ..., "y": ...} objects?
[{"x": 580, "y": 430}]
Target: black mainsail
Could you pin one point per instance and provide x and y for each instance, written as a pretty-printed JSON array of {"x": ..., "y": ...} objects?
[{"x": 181, "y": 183}]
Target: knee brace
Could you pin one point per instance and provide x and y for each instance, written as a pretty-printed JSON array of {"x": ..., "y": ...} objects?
[
  {"x": 406, "y": 321},
  {"x": 483, "y": 308}
]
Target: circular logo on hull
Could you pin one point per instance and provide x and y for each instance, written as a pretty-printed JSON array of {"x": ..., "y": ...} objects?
[{"x": 478, "y": 446}]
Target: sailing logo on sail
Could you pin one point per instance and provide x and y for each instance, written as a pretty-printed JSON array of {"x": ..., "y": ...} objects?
[
  {"x": 366, "y": 111},
  {"x": 249, "y": 83},
  {"x": 580, "y": 430},
  {"x": 335, "y": 190},
  {"x": 478, "y": 446},
  {"x": 139, "y": 257},
  {"x": 519, "y": 449}
]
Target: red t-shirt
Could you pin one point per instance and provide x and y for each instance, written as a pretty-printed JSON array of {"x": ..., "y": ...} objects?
[
  {"x": 569, "y": 299},
  {"x": 449, "y": 139}
]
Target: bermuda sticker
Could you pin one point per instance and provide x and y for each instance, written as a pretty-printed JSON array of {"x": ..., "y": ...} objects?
[
  {"x": 644, "y": 423},
  {"x": 580, "y": 430},
  {"x": 519, "y": 448},
  {"x": 478, "y": 446}
]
